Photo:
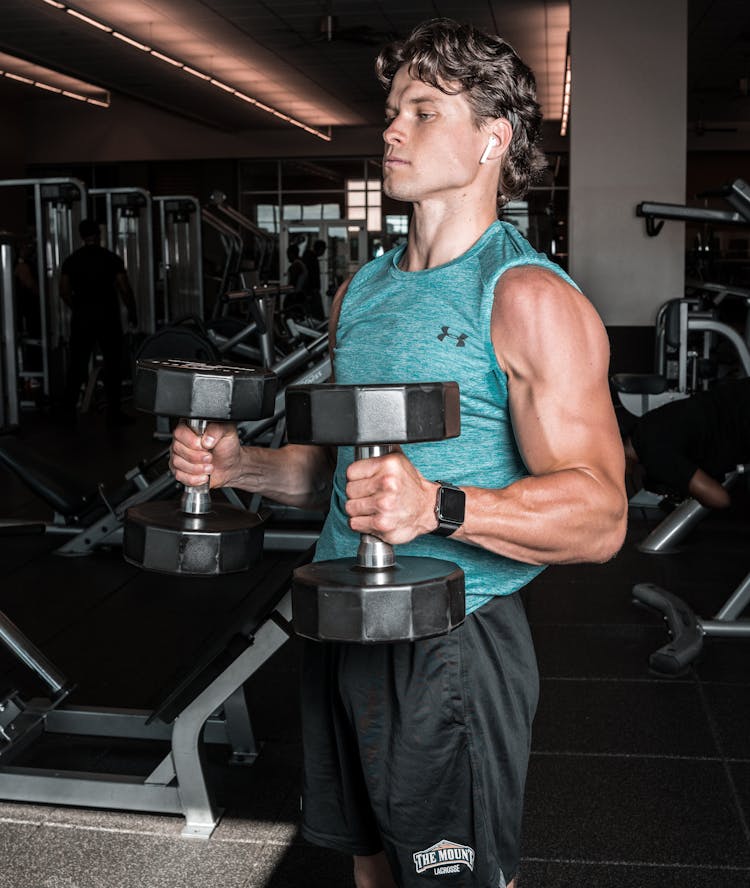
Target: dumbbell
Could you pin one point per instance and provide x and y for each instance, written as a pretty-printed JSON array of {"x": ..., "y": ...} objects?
[
  {"x": 375, "y": 597},
  {"x": 196, "y": 536}
]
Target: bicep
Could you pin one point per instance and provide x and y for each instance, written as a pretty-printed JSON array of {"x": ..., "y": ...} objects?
[{"x": 556, "y": 355}]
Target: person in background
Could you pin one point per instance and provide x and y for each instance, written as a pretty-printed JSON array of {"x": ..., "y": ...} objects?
[
  {"x": 686, "y": 447},
  {"x": 93, "y": 283},
  {"x": 296, "y": 276},
  {"x": 313, "y": 297}
]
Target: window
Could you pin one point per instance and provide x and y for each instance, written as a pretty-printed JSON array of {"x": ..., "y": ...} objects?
[{"x": 363, "y": 202}]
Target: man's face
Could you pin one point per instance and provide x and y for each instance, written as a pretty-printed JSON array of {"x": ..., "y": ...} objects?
[{"x": 432, "y": 146}]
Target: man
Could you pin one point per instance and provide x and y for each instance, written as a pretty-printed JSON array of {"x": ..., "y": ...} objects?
[
  {"x": 92, "y": 283},
  {"x": 311, "y": 288},
  {"x": 407, "y": 745},
  {"x": 686, "y": 447}
]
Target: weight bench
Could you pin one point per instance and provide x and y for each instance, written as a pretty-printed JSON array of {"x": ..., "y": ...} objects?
[
  {"x": 666, "y": 537},
  {"x": 89, "y": 518},
  {"x": 686, "y": 628},
  {"x": 207, "y": 705}
]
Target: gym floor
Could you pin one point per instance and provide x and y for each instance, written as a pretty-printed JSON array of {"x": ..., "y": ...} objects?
[{"x": 634, "y": 779}]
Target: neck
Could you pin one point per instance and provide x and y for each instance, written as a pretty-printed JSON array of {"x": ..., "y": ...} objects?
[{"x": 438, "y": 234}]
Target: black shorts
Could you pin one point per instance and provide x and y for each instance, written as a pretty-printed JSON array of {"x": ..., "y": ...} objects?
[{"x": 421, "y": 749}]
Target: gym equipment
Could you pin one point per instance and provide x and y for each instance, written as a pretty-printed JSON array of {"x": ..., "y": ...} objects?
[
  {"x": 129, "y": 225},
  {"x": 59, "y": 205},
  {"x": 181, "y": 260},
  {"x": 92, "y": 518},
  {"x": 737, "y": 194},
  {"x": 9, "y": 407},
  {"x": 665, "y": 539},
  {"x": 198, "y": 538},
  {"x": 205, "y": 704},
  {"x": 263, "y": 241},
  {"x": 678, "y": 365},
  {"x": 375, "y": 597},
  {"x": 686, "y": 628}
]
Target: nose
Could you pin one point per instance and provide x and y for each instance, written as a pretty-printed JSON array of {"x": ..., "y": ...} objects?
[{"x": 393, "y": 133}]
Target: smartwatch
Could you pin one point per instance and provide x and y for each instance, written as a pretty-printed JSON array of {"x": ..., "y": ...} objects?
[{"x": 449, "y": 508}]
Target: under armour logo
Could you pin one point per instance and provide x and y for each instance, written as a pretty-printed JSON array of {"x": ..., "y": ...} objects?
[{"x": 460, "y": 340}]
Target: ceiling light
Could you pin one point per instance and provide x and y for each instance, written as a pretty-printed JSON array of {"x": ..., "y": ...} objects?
[
  {"x": 166, "y": 58},
  {"x": 196, "y": 73},
  {"x": 101, "y": 26},
  {"x": 229, "y": 89},
  {"x": 125, "y": 39},
  {"x": 31, "y": 74},
  {"x": 566, "y": 93},
  {"x": 89, "y": 21},
  {"x": 19, "y": 78}
]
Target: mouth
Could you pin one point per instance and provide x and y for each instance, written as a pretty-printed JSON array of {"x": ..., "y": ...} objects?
[{"x": 394, "y": 162}]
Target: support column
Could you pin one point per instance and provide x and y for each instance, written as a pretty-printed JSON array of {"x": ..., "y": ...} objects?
[{"x": 627, "y": 144}]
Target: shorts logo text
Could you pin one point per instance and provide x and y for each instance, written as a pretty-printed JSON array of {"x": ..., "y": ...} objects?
[{"x": 444, "y": 857}]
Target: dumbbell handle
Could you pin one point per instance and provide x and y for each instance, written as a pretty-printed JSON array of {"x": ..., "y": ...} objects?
[
  {"x": 196, "y": 500},
  {"x": 373, "y": 553}
]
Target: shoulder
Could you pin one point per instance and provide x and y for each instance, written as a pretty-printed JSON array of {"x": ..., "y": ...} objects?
[
  {"x": 335, "y": 312},
  {"x": 115, "y": 260},
  {"x": 537, "y": 312}
]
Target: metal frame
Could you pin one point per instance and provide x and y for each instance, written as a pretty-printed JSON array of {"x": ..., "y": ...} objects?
[
  {"x": 9, "y": 407},
  {"x": 117, "y": 199},
  {"x": 686, "y": 628},
  {"x": 172, "y": 256},
  {"x": 178, "y": 784},
  {"x": 53, "y": 239},
  {"x": 737, "y": 194},
  {"x": 667, "y": 536},
  {"x": 639, "y": 403}
]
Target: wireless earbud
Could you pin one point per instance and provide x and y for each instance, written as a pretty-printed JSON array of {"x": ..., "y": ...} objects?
[{"x": 491, "y": 142}]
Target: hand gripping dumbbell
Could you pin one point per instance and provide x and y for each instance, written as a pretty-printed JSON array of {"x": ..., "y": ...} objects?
[
  {"x": 197, "y": 536},
  {"x": 375, "y": 597}
]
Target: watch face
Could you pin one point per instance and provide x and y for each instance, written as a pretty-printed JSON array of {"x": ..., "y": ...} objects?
[{"x": 452, "y": 504}]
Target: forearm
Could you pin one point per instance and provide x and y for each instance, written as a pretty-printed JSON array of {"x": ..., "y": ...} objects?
[
  {"x": 562, "y": 517},
  {"x": 295, "y": 475}
]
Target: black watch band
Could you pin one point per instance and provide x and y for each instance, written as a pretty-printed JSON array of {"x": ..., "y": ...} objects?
[{"x": 450, "y": 504}]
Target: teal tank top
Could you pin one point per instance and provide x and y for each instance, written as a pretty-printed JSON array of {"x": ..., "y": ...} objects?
[{"x": 428, "y": 326}]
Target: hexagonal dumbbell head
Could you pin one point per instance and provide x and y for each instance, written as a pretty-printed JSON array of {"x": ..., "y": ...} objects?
[
  {"x": 220, "y": 392},
  {"x": 362, "y": 415}
]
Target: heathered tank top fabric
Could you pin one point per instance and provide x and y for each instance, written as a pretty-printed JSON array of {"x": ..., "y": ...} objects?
[{"x": 434, "y": 326}]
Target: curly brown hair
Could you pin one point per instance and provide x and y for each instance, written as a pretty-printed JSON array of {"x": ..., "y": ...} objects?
[{"x": 458, "y": 58}]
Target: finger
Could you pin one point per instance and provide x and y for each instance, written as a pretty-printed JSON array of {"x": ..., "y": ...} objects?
[
  {"x": 194, "y": 454},
  {"x": 363, "y": 468},
  {"x": 214, "y": 432},
  {"x": 185, "y": 435}
]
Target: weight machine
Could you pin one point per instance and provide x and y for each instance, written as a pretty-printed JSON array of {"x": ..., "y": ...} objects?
[
  {"x": 58, "y": 205},
  {"x": 737, "y": 194},
  {"x": 128, "y": 219},
  {"x": 181, "y": 261}
]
